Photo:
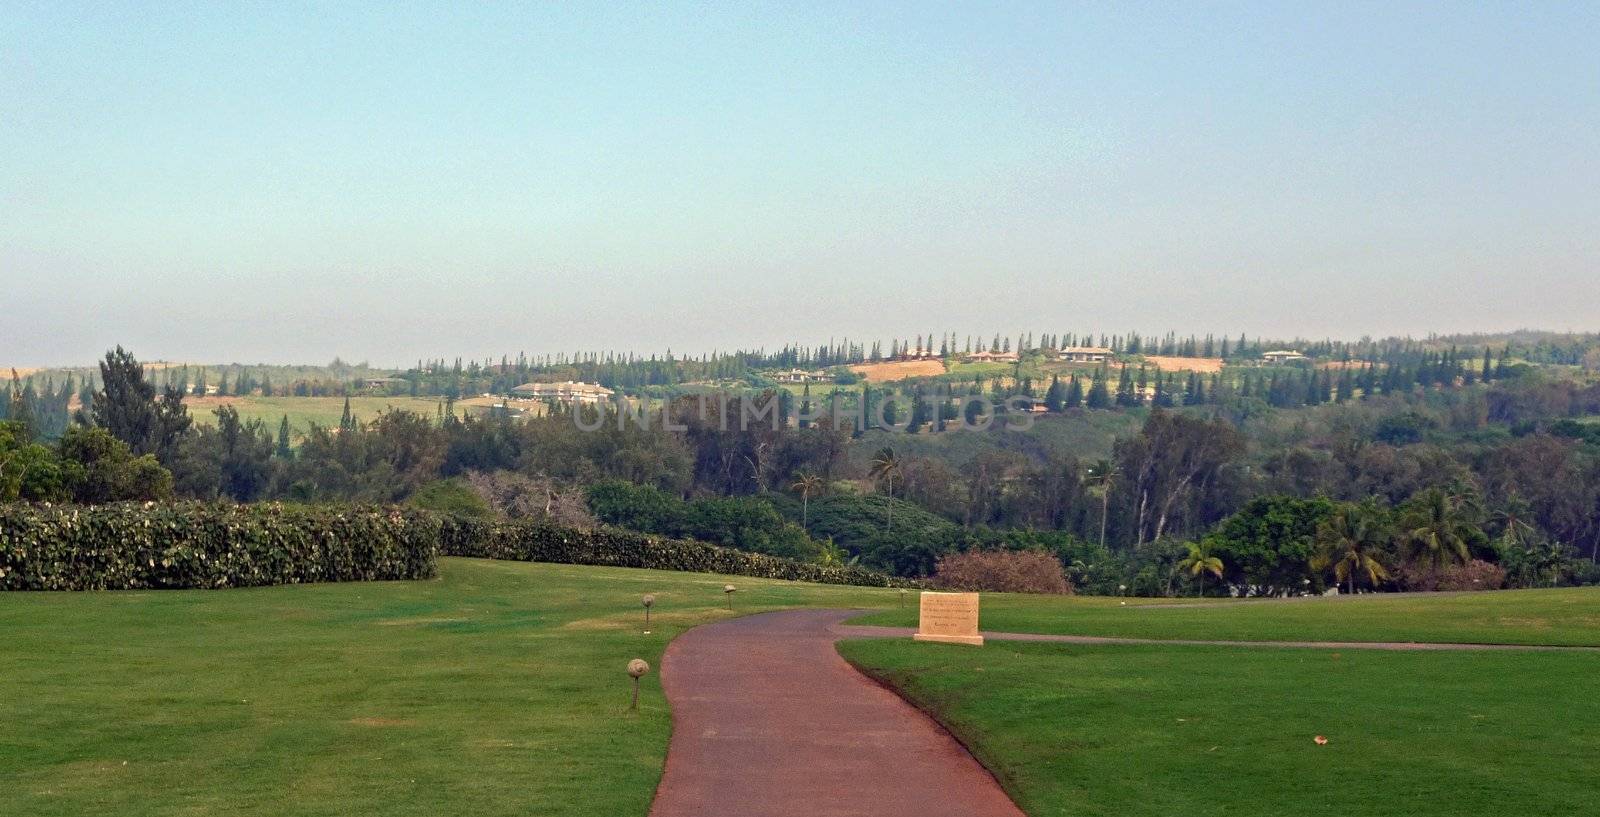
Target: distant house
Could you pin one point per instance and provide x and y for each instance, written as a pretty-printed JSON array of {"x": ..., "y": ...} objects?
[
  {"x": 992, "y": 357},
  {"x": 1085, "y": 354},
  {"x": 498, "y": 409},
  {"x": 382, "y": 383},
  {"x": 568, "y": 392},
  {"x": 1281, "y": 356},
  {"x": 799, "y": 376}
]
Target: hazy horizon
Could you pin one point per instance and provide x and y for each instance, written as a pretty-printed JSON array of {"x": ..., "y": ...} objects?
[{"x": 286, "y": 184}]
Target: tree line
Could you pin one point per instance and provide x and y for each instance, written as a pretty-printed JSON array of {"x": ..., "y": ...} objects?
[{"x": 1510, "y": 458}]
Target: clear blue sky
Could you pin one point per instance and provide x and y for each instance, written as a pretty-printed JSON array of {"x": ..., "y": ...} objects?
[{"x": 275, "y": 182}]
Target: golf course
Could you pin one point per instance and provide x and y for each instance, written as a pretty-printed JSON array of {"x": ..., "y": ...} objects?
[{"x": 500, "y": 688}]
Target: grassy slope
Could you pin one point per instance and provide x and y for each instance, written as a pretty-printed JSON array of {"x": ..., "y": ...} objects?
[
  {"x": 1565, "y": 617},
  {"x": 498, "y": 689},
  {"x": 303, "y": 411},
  {"x": 1200, "y": 731}
]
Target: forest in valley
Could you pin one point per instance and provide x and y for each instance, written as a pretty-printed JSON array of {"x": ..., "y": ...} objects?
[{"x": 1463, "y": 462}]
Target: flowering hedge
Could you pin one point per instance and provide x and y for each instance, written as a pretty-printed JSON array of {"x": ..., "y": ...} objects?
[
  {"x": 193, "y": 545},
  {"x": 616, "y": 547}
]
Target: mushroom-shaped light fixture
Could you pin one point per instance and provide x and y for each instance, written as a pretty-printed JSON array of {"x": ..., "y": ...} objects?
[
  {"x": 636, "y": 670},
  {"x": 728, "y": 590},
  {"x": 649, "y": 601}
]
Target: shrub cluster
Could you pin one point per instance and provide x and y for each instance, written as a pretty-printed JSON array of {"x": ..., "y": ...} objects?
[
  {"x": 1006, "y": 571},
  {"x": 1474, "y": 575},
  {"x": 191, "y": 545},
  {"x": 537, "y": 541}
]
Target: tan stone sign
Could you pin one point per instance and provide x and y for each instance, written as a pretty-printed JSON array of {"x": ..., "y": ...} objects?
[{"x": 949, "y": 617}]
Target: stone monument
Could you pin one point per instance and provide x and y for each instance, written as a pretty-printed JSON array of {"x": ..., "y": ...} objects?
[{"x": 949, "y": 617}]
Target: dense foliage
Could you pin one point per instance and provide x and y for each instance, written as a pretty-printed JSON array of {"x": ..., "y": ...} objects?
[
  {"x": 614, "y": 547},
  {"x": 1370, "y": 466},
  {"x": 194, "y": 545},
  {"x": 198, "y": 545}
]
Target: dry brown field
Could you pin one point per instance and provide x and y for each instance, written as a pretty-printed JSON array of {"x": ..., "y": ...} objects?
[
  {"x": 1204, "y": 365},
  {"x": 898, "y": 370}
]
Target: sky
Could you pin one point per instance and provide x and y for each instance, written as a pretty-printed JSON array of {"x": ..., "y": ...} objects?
[{"x": 277, "y": 183}]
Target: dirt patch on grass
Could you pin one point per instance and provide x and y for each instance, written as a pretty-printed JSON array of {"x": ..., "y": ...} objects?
[
  {"x": 635, "y": 621},
  {"x": 898, "y": 370},
  {"x": 415, "y": 622},
  {"x": 1204, "y": 365}
]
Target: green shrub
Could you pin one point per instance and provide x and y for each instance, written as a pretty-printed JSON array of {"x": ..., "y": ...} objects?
[
  {"x": 191, "y": 545},
  {"x": 614, "y": 547},
  {"x": 450, "y": 496}
]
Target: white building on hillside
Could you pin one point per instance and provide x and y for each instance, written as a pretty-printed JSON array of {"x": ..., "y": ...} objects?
[
  {"x": 799, "y": 376},
  {"x": 1281, "y": 356},
  {"x": 1085, "y": 354},
  {"x": 568, "y": 392}
]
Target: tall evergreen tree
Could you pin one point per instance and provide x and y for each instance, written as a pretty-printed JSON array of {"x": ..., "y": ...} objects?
[
  {"x": 1074, "y": 398},
  {"x": 1055, "y": 395},
  {"x": 128, "y": 408},
  {"x": 284, "y": 451}
]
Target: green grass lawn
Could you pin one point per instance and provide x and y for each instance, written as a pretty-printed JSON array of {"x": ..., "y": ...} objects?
[
  {"x": 497, "y": 689},
  {"x": 1197, "y": 731},
  {"x": 303, "y": 411},
  {"x": 1568, "y": 616}
]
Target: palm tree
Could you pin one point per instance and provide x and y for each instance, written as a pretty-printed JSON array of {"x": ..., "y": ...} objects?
[
  {"x": 806, "y": 484},
  {"x": 1435, "y": 531},
  {"x": 1512, "y": 520},
  {"x": 1101, "y": 474},
  {"x": 831, "y": 555},
  {"x": 1201, "y": 561},
  {"x": 1350, "y": 541},
  {"x": 886, "y": 467}
]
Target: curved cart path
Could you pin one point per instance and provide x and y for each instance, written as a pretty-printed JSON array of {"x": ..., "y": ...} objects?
[{"x": 769, "y": 721}]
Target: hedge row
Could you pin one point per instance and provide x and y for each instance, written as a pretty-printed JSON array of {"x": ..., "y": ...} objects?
[
  {"x": 615, "y": 547},
  {"x": 192, "y": 545}
]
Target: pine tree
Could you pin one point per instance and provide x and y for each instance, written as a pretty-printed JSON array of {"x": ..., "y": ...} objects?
[
  {"x": 284, "y": 451},
  {"x": 347, "y": 421},
  {"x": 20, "y": 408},
  {"x": 1099, "y": 395},
  {"x": 1054, "y": 395},
  {"x": 1125, "y": 388}
]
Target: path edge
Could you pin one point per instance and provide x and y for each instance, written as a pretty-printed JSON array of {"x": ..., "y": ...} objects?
[{"x": 966, "y": 745}]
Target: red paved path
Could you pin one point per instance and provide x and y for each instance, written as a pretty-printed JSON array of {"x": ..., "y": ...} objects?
[{"x": 769, "y": 721}]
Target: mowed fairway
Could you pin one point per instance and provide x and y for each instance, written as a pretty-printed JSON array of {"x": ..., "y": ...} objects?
[
  {"x": 497, "y": 689},
  {"x": 1563, "y": 617},
  {"x": 1175, "y": 730},
  {"x": 304, "y": 411}
]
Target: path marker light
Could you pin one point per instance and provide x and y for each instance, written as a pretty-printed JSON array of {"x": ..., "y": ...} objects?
[
  {"x": 728, "y": 590},
  {"x": 636, "y": 670},
  {"x": 649, "y": 601}
]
